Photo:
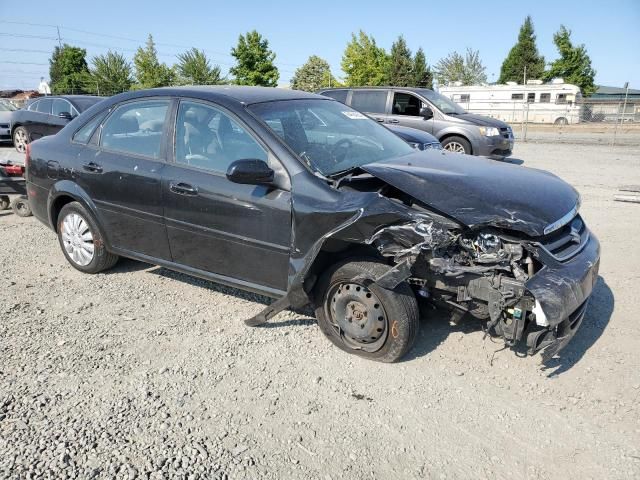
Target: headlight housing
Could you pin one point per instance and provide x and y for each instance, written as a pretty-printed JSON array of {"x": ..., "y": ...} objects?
[
  {"x": 489, "y": 131},
  {"x": 426, "y": 146}
]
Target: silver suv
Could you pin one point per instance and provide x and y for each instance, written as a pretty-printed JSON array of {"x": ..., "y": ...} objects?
[{"x": 457, "y": 130}]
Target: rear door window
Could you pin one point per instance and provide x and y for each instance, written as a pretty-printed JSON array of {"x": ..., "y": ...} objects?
[
  {"x": 44, "y": 106},
  {"x": 136, "y": 128},
  {"x": 369, "y": 101}
]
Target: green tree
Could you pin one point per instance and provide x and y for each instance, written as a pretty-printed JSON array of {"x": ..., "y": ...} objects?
[
  {"x": 523, "y": 54},
  {"x": 574, "y": 65},
  {"x": 150, "y": 72},
  {"x": 314, "y": 74},
  {"x": 111, "y": 73},
  {"x": 401, "y": 64},
  {"x": 422, "y": 75},
  {"x": 363, "y": 62},
  {"x": 467, "y": 70},
  {"x": 68, "y": 70},
  {"x": 194, "y": 68},
  {"x": 254, "y": 61}
]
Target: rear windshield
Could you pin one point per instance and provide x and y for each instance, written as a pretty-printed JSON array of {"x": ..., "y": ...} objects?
[{"x": 83, "y": 103}]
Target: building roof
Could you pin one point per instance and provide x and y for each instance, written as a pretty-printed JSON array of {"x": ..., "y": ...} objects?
[{"x": 603, "y": 90}]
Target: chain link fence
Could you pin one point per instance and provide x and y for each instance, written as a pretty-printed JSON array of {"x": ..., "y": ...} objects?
[{"x": 590, "y": 120}]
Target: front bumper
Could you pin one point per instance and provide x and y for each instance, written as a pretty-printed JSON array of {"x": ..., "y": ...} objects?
[
  {"x": 563, "y": 290},
  {"x": 495, "y": 147}
]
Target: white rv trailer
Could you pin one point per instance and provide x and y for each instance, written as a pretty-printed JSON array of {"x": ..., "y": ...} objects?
[{"x": 535, "y": 102}]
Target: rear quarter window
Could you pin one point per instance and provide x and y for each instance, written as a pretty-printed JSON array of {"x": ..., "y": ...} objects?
[{"x": 339, "y": 95}]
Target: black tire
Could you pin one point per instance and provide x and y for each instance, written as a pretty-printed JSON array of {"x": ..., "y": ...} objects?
[
  {"x": 455, "y": 142},
  {"x": 20, "y": 139},
  {"x": 101, "y": 259},
  {"x": 21, "y": 207},
  {"x": 4, "y": 202},
  {"x": 399, "y": 306}
]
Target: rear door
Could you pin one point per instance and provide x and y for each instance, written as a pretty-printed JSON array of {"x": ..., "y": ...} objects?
[
  {"x": 122, "y": 174},
  {"x": 241, "y": 232},
  {"x": 374, "y": 102},
  {"x": 405, "y": 111}
]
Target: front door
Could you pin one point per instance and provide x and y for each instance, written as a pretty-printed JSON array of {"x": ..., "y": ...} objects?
[
  {"x": 405, "y": 110},
  {"x": 241, "y": 232},
  {"x": 123, "y": 176}
]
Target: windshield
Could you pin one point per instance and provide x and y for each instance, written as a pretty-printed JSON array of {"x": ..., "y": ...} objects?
[
  {"x": 329, "y": 136},
  {"x": 6, "y": 106},
  {"x": 443, "y": 104}
]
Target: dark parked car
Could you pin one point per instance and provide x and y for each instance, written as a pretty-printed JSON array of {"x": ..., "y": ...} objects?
[
  {"x": 416, "y": 138},
  {"x": 46, "y": 116},
  {"x": 303, "y": 199},
  {"x": 458, "y": 130}
]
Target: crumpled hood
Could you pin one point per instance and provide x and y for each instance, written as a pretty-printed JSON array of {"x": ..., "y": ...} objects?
[{"x": 477, "y": 191}]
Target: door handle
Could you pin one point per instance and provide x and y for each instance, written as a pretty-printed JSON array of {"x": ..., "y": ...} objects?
[
  {"x": 182, "y": 188},
  {"x": 92, "y": 167},
  {"x": 393, "y": 120}
]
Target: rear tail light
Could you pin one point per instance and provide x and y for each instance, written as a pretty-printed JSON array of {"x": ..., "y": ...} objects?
[
  {"x": 14, "y": 170},
  {"x": 27, "y": 156}
]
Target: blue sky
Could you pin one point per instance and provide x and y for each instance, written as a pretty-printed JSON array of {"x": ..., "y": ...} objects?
[{"x": 610, "y": 30}]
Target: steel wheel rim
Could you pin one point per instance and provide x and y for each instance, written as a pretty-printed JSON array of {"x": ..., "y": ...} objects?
[
  {"x": 20, "y": 140},
  {"x": 454, "y": 147},
  {"x": 77, "y": 239},
  {"x": 357, "y": 315}
]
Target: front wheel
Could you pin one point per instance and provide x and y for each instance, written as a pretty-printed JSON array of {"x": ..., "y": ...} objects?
[
  {"x": 457, "y": 145},
  {"x": 20, "y": 139},
  {"x": 561, "y": 121},
  {"x": 362, "y": 318},
  {"x": 81, "y": 240}
]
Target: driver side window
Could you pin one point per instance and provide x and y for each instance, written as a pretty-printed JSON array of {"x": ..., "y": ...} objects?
[
  {"x": 406, "y": 104},
  {"x": 208, "y": 138}
]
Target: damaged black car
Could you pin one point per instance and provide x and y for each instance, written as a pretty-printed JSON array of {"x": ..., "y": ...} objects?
[{"x": 300, "y": 198}]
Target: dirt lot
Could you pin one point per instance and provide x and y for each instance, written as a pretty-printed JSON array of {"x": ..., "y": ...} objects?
[{"x": 142, "y": 372}]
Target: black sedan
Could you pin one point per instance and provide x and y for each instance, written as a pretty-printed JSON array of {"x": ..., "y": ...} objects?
[
  {"x": 303, "y": 199},
  {"x": 46, "y": 116}
]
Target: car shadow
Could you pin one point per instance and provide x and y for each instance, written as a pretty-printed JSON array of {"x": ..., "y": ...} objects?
[
  {"x": 597, "y": 317},
  {"x": 436, "y": 327},
  {"x": 435, "y": 324},
  {"x": 514, "y": 161}
]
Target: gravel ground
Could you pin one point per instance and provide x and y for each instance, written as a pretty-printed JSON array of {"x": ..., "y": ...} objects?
[{"x": 145, "y": 373}]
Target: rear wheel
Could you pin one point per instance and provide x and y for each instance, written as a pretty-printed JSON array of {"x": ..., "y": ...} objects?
[
  {"x": 362, "y": 318},
  {"x": 20, "y": 206},
  {"x": 20, "y": 139},
  {"x": 457, "y": 145},
  {"x": 561, "y": 121},
  {"x": 81, "y": 240}
]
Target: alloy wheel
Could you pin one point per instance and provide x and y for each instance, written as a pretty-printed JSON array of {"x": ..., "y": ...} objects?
[
  {"x": 20, "y": 140},
  {"x": 77, "y": 239},
  {"x": 454, "y": 147}
]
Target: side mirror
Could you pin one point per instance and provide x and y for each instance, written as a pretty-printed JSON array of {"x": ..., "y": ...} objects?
[
  {"x": 426, "y": 113},
  {"x": 250, "y": 172},
  {"x": 65, "y": 115}
]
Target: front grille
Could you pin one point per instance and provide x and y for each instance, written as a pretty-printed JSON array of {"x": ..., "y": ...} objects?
[{"x": 567, "y": 241}]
